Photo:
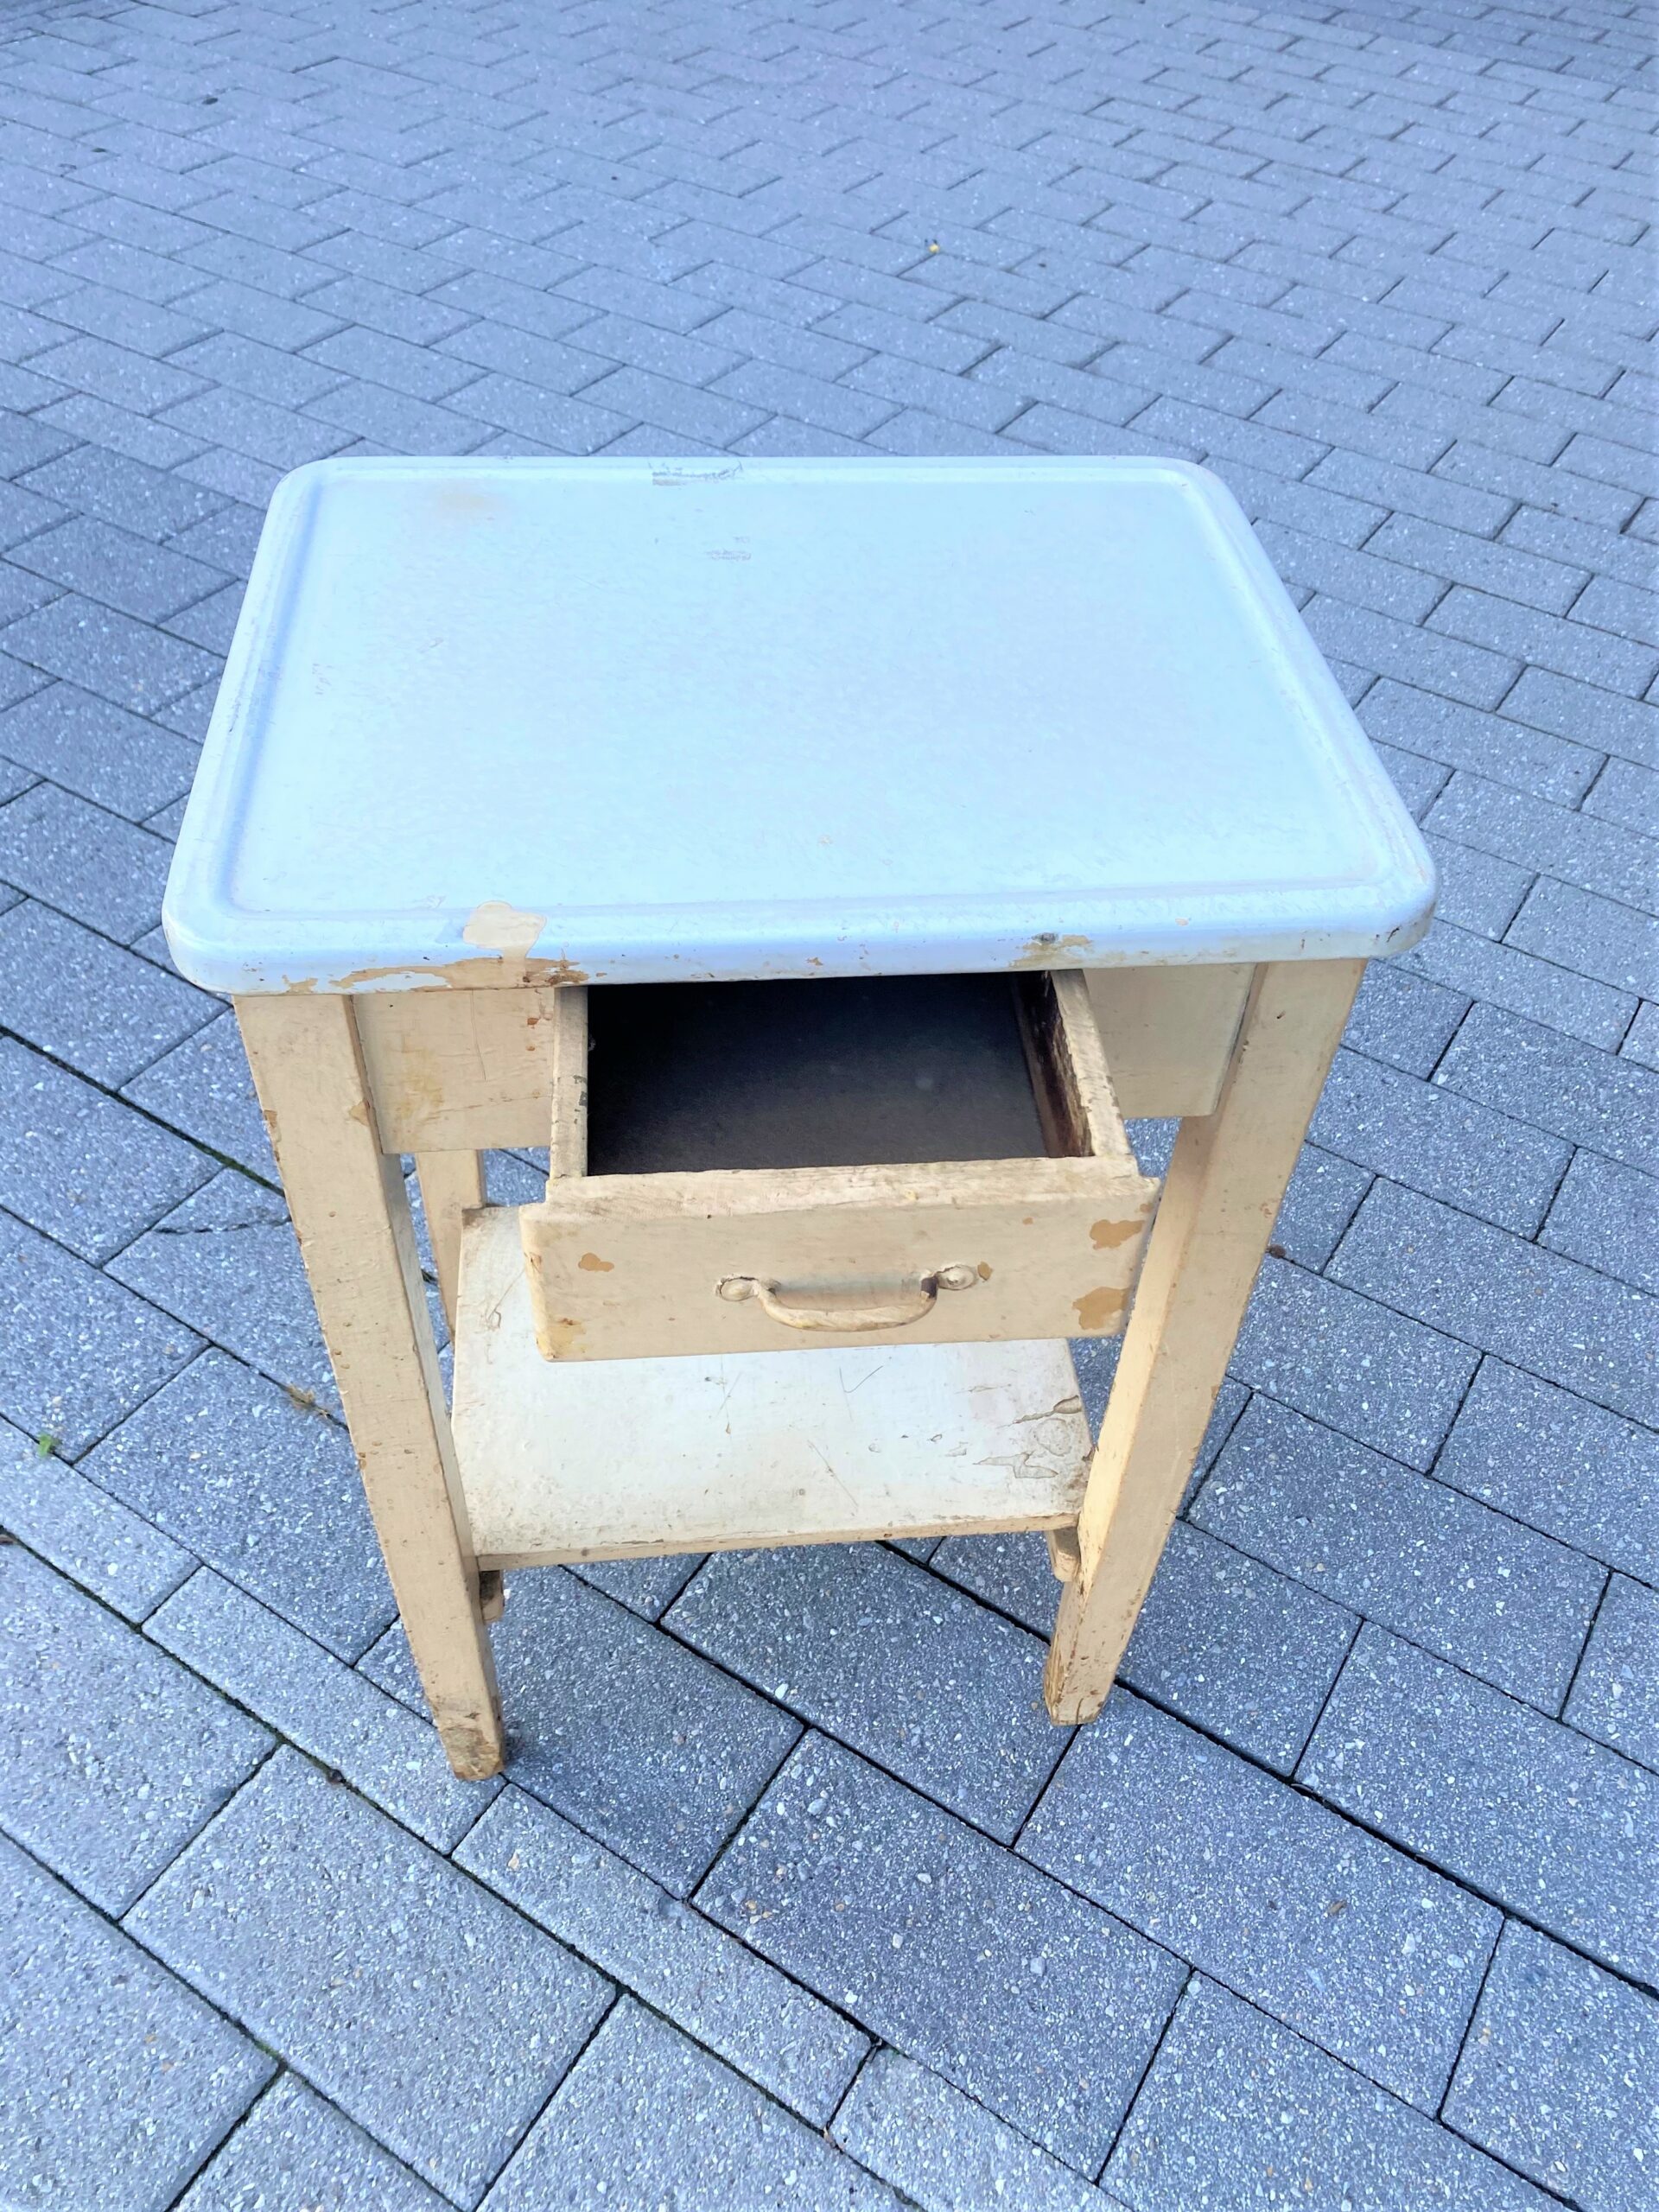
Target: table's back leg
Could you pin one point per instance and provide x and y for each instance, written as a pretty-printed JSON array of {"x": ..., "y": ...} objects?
[
  {"x": 1226, "y": 1181},
  {"x": 452, "y": 1183},
  {"x": 351, "y": 1212}
]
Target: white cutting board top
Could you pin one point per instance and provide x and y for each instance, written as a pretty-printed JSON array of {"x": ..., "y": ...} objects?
[{"x": 632, "y": 722}]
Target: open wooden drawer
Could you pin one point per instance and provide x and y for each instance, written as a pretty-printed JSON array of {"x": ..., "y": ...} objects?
[{"x": 790, "y": 1166}]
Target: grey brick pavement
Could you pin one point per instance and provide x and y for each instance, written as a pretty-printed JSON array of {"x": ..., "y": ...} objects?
[{"x": 1348, "y": 1900}]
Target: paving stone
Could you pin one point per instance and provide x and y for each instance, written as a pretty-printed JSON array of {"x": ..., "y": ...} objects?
[
  {"x": 1322, "y": 1200},
  {"x": 1598, "y": 938},
  {"x": 1586, "y": 1096},
  {"x": 1387, "y": 586},
  {"x": 117, "y": 2082},
  {"x": 1240, "y": 1651},
  {"x": 1549, "y": 585},
  {"x": 1641, "y": 1039},
  {"x": 645, "y": 1586},
  {"x": 391, "y": 420},
  {"x": 878, "y": 1653},
  {"x": 1465, "y": 672},
  {"x": 1569, "y": 1468},
  {"x": 73, "y": 1162},
  {"x": 1626, "y": 795},
  {"x": 210, "y": 622},
  {"x": 1544, "y": 641},
  {"x": 1607, "y": 1216},
  {"x": 77, "y": 1352},
  {"x": 1095, "y": 1360},
  {"x": 1508, "y": 976},
  {"x": 293, "y": 2149},
  {"x": 1546, "y": 1314},
  {"x": 98, "y": 750},
  {"x": 118, "y": 570},
  {"x": 1329, "y": 1930},
  {"x": 1616, "y": 1693},
  {"x": 704, "y": 1980},
  {"x": 1554, "y": 767},
  {"x": 109, "y": 653},
  {"x": 191, "y": 715},
  {"x": 1478, "y": 891},
  {"x": 1012, "y": 1573},
  {"x": 646, "y": 2117},
  {"x": 945, "y": 2152},
  {"x": 113, "y": 1756},
  {"x": 1587, "y": 715},
  {"x": 1416, "y": 781},
  {"x": 237, "y": 476},
  {"x": 339, "y": 1941},
  {"x": 246, "y": 424},
  {"x": 1352, "y": 1362},
  {"x": 1016, "y": 1990},
  {"x": 1404, "y": 1020},
  {"x": 203, "y": 1087},
  {"x": 1476, "y": 508},
  {"x": 263, "y": 1489},
  {"x": 325, "y": 1707},
  {"x": 1234, "y": 1648},
  {"x": 226, "y": 1263},
  {"x": 1517, "y": 1807},
  {"x": 1467, "y": 1583},
  {"x": 382, "y": 359},
  {"x": 88, "y": 863},
  {"x": 95, "y": 1542},
  {"x": 1561, "y": 2076},
  {"x": 1236, "y": 2110},
  {"x": 639, "y": 1742},
  {"x": 87, "y": 1002},
  {"x": 1578, "y": 847},
  {"x": 1434, "y": 1141},
  {"x": 248, "y": 363}
]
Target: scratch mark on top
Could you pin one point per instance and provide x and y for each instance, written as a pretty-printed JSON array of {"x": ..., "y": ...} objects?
[{"x": 675, "y": 476}]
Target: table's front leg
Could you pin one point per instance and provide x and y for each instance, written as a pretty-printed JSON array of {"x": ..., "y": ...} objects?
[
  {"x": 1226, "y": 1178},
  {"x": 351, "y": 1212}
]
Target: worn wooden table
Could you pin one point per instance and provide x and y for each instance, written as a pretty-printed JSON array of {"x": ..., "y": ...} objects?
[{"x": 498, "y": 740}]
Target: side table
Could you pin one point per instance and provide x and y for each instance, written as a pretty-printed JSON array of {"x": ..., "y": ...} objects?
[{"x": 820, "y": 859}]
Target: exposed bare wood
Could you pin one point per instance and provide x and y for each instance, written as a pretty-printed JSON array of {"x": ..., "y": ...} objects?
[
  {"x": 452, "y": 1183},
  {"x": 351, "y": 1212},
  {"x": 1076, "y": 1101},
  {"x": 567, "y": 1152},
  {"x": 1063, "y": 1554},
  {"x": 1224, "y": 1188},
  {"x": 1167, "y": 1033}
]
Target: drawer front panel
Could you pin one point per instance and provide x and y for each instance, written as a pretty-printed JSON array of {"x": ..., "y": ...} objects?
[{"x": 648, "y": 1265}]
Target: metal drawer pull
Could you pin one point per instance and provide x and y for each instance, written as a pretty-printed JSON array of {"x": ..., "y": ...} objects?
[{"x": 846, "y": 1320}]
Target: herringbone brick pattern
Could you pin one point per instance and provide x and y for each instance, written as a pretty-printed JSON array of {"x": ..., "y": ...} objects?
[{"x": 1349, "y": 1899}]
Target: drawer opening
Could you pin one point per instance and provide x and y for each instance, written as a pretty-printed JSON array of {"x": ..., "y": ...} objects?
[{"x": 688, "y": 1077}]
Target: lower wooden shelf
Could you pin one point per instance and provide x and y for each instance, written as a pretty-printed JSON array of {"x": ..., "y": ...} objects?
[{"x": 631, "y": 1459}]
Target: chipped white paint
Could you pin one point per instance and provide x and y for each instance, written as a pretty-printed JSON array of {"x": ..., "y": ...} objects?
[{"x": 493, "y": 926}]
